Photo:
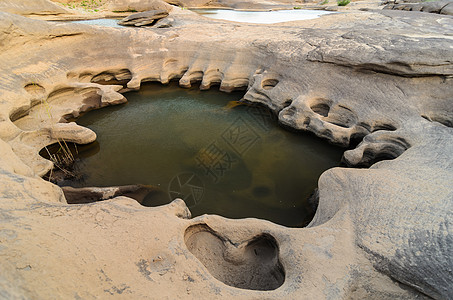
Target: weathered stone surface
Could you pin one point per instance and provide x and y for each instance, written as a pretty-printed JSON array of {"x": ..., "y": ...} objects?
[
  {"x": 89, "y": 194},
  {"x": 31, "y": 7},
  {"x": 447, "y": 10},
  {"x": 382, "y": 79},
  {"x": 136, "y": 5},
  {"x": 247, "y": 4},
  {"x": 146, "y": 18},
  {"x": 444, "y": 7}
]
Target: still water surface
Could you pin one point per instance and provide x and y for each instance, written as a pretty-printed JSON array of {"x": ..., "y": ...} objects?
[
  {"x": 100, "y": 22},
  {"x": 262, "y": 17},
  {"x": 257, "y": 17},
  {"x": 223, "y": 159}
]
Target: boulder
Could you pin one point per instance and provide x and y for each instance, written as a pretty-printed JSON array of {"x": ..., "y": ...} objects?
[
  {"x": 146, "y": 18},
  {"x": 444, "y": 7}
]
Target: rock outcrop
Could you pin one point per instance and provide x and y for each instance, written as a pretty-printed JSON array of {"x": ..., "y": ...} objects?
[
  {"x": 136, "y": 5},
  {"x": 444, "y": 7},
  {"x": 34, "y": 7},
  {"x": 146, "y": 18},
  {"x": 90, "y": 195},
  {"x": 383, "y": 81},
  {"x": 249, "y": 4}
]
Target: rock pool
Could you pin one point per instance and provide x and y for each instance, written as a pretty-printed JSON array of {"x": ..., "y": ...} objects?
[{"x": 220, "y": 157}]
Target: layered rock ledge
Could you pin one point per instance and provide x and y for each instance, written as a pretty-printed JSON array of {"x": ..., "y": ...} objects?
[{"x": 382, "y": 80}]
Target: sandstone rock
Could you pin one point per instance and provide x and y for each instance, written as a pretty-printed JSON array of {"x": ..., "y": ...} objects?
[
  {"x": 164, "y": 23},
  {"x": 137, "y": 5},
  {"x": 378, "y": 79},
  {"x": 144, "y": 18},
  {"x": 438, "y": 7},
  {"x": 34, "y": 7},
  {"x": 248, "y": 4},
  {"x": 447, "y": 9},
  {"x": 140, "y": 193}
]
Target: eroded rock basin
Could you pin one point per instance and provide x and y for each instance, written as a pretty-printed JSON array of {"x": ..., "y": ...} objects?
[
  {"x": 252, "y": 264},
  {"x": 381, "y": 232},
  {"x": 201, "y": 146}
]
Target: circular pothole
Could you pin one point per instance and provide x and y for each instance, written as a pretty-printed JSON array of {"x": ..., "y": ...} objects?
[{"x": 253, "y": 264}]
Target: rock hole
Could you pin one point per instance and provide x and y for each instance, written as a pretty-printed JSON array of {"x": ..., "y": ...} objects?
[
  {"x": 342, "y": 116},
  {"x": 287, "y": 103},
  {"x": 65, "y": 92},
  {"x": 372, "y": 155},
  {"x": 113, "y": 77},
  {"x": 196, "y": 76},
  {"x": 35, "y": 89},
  {"x": 268, "y": 84},
  {"x": 83, "y": 77},
  {"x": 365, "y": 126},
  {"x": 355, "y": 139},
  {"x": 384, "y": 126},
  {"x": 19, "y": 113},
  {"x": 252, "y": 264},
  {"x": 321, "y": 107}
]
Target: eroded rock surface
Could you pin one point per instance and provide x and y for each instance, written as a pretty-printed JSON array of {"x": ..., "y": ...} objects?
[
  {"x": 33, "y": 7},
  {"x": 252, "y": 264},
  {"x": 382, "y": 80},
  {"x": 136, "y": 5},
  {"x": 444, "y": 7},
  {"x": 93, "y": 194},
  {"x": 146, "y": 18},
  {"x": 249, "y": 4}
]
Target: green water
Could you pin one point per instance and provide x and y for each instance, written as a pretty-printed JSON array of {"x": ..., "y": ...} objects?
[{"x": 235, "y": 162}]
